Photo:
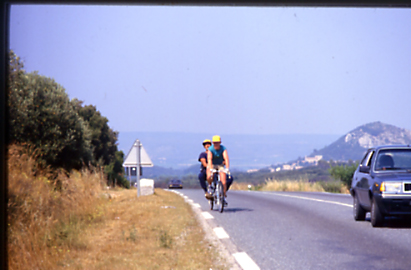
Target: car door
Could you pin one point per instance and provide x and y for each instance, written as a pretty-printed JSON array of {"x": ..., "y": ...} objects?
[{"x": 362, "y": 179}]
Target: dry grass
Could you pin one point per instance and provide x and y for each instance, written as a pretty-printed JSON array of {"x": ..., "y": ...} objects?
[
  {"x": 45, "y": 216},
  {"x": 303, "y": 185},
  {"x": 72, "y": 222},
  {"x": 241, "y": 186},
  {"x": 149, "y": 232}
]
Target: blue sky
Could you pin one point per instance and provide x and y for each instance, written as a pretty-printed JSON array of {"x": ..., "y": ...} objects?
[{"x": 224, "y": 70}]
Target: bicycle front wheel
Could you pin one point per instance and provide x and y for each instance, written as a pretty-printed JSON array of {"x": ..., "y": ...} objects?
[{"x": 220, "y": 197}]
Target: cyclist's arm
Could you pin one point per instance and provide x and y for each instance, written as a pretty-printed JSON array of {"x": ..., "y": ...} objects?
[
  {"x": 203, "y": 162},
  {"x": 209, "y": 160},
  {"x": 226, "y": 160}
]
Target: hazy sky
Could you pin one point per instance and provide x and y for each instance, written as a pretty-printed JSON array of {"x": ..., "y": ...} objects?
[{"x": 224, "y": 70}]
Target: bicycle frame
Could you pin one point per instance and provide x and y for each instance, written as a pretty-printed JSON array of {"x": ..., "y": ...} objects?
[{"x": 218, "y": 191}]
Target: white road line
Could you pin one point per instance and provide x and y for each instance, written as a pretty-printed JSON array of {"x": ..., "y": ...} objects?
[
  {"x": 245, "y": 261},
  {"x": 196, "y": 205},
  {"x": 207, "y": 215},
  {"x": 220, "y": 232},
  {"x": 310, "y": 199}
]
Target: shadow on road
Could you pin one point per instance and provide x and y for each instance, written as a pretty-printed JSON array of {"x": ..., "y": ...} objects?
[
  {"x": 395, "y": 223},
  {"x": 233, "y": 210}
]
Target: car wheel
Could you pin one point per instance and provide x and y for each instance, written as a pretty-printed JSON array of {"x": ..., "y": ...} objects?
[
  {"x": 377, "y": 218},
  {"x": 358, "y": 211}
]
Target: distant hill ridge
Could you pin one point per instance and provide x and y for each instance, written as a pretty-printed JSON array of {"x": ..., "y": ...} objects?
[{"x": 353, "y": 145}]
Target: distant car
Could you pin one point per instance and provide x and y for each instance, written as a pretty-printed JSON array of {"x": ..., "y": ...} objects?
[
  {"x": 382, "y": 184},
  {"x": 175, "y": 183}
]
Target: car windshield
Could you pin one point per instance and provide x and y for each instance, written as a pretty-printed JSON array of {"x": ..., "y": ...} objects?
[{"x": 393, "y": 159}]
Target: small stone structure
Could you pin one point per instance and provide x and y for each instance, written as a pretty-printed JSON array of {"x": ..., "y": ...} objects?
[{"x": 146, "y": 186}]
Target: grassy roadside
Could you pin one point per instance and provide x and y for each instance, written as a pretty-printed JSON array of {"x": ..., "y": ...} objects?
[
  {"x": 74, "y": 222},
  {"x": 150, "y": 232}
]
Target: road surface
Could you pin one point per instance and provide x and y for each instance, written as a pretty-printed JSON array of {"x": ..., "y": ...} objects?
[{"x": 286, "y": 230}]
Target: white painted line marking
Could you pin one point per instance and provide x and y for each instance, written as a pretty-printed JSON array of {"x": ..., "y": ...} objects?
[
  {"x": 190, "y": 201},
  {"x": 221, "y": 234},
  {"x": 311, "y": 199},
  {"x": 196, "y": 205},
  {"x": 207, "y": 215},
  {"x": 245, "y": 261},
  {"x": 185, "y": 197}
]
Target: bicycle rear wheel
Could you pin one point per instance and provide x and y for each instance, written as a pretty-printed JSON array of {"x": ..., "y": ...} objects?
[{"x": 220, "y": 192}]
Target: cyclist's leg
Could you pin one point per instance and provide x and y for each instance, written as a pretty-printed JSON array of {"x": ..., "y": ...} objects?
[
  {"x": 202, "y": 178},
  {"x": 229, "y": 181},
  {"x": 223, "y": 181},
  {"x": 209, "y": 176}
]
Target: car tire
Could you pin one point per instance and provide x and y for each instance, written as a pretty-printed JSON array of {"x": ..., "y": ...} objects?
[
  {"x": 377, "y": 219},
  {"x": 358, "y": 211}
]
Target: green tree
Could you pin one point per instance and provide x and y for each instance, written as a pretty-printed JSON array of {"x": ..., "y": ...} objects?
[
  {"x": 343, "y": 172},
  {"x": 103, "y": 138},
  {"x": 41, "y": 115},
  {"x": 115, "y": 171}
]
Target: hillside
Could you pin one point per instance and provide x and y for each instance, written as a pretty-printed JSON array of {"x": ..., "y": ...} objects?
[{"x": 353, "y": 145}]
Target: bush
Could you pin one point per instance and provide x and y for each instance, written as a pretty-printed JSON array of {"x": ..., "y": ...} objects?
[
  {"x": 333, "y": 186},
  {"x": 343, "y": 173}
]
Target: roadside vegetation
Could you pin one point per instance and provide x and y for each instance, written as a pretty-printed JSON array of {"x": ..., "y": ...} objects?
[
  {"x": 303, "y": 186},
  {"x": 74, "y": 222}
]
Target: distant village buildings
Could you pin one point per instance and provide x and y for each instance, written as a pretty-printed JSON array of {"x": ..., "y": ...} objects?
[
  {"x": 313, "y": 160},
  {"x": 299, "y": 164}
]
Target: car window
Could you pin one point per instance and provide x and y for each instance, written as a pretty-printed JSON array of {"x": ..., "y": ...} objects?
[
  {"x": 367, "y": 159},
  {"x": 393, "y": 159}
]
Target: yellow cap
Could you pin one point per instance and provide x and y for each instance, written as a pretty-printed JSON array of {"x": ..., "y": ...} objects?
[
  {"x": 216, "y": 138},
  {"x": 206, "y": 141}
]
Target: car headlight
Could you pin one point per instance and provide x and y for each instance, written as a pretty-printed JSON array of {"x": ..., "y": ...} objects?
[{"x": 391, "y": 187}]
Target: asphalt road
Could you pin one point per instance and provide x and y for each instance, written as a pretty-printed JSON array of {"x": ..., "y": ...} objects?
[{"x": 285, "y": 230}]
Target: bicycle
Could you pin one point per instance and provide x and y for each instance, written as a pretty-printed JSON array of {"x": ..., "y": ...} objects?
[{"x": 218, "y": 191}]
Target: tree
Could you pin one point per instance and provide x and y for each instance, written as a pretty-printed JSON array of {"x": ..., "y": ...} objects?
[
  {"x": 64, "y": 133},
  {"x": 115, "y": 171},
  {"x": 41, "y": 115},
  {"x": 103, "y": 138}
]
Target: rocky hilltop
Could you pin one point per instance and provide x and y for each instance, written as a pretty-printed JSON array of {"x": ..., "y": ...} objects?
[{"x": 353, "y": 145}]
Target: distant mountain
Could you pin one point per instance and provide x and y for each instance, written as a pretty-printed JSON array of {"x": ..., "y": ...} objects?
[{"x": 355, "y": 143}]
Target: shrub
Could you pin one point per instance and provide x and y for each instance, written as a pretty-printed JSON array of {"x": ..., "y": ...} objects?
[{"x": 343, "y": 173}]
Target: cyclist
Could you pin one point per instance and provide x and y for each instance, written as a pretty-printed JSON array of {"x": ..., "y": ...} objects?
[
  {"x": 217, "y": 157},
  {"x": 203, "y": 167}
]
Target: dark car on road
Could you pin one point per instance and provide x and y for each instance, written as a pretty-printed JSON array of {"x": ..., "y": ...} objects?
[
  {"x": 382, "y": 184},
  {"x": 175, "y": 183}
]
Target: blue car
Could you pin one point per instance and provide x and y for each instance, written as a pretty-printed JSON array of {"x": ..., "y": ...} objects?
[
  {"x": 175, "y": 183},
  {"x": 382, "y": 184}
]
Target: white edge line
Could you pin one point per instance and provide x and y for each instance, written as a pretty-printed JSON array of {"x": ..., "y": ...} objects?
[
  {"x": 310, "y": 199},
  {"x": 245, "y": 261},
  {"x": 220, "y": 232},
  {"x": 207, "y": 215}
]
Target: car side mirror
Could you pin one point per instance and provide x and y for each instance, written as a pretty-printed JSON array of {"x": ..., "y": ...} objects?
[{"x": 364, "y": 169}]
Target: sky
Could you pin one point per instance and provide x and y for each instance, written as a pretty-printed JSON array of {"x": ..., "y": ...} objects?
[{"x": 224, "y": 70}]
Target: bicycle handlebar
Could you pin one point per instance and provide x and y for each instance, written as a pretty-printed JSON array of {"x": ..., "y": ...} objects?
[{"x": 226, "y": 171}]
